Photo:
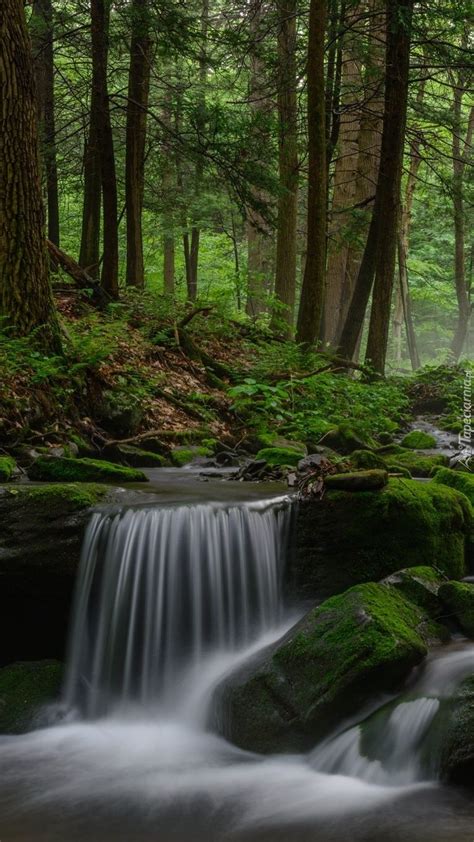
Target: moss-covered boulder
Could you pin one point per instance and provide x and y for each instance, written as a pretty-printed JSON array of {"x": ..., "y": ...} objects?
[
  {"x": 419, "y": 440},
  {"x": 346, "y": 651},
  {"x": 367, "y": 459},
  {"x": 420, "y": 585},
  {"x": 7, "y": 468},
  {"x": 41, "y": 532},
  {"x": 419, "y": 464},
  {"x": 280, "y": 457},
  {"x": 186, "y": 454},
  {"x": 25, "y": 687},
  {"x": 134, "y": 457},
  {"x": 348, "y": 538},
  {"x": 358, "y": 480},
  {"x": 458, "y": 598},
  {"x": 457, "y": 754},
  {"x": 52, "y": 469},
  {"x": 459, "y": 480},
  {"x": 345, "y": 439}
]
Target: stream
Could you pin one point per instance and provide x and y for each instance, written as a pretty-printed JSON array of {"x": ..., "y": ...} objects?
[{"x": 172, "y": 596}]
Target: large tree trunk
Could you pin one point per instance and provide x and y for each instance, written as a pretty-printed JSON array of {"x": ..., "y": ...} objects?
[
  {"x": 460, "y": 157},
  {"x": 285, "y": 270},
  {"x": 25, "y": 292},
  {"x": 379, "y": 253},
  {"x": 100, "y": 15},
  {"x": 345, "y": 174},
  {"x": 312, "y": 293},
  {"x": 137, "y": 106},
  {"x": 43, "y": 50}
]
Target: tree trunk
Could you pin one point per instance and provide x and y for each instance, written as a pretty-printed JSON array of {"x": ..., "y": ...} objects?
[
  {"x": 43, "y": 50},
  {"x": 138, "y": 94},
  {"x": 89, "y": 254},
  {"x": 285, "y": 272},
  {"x": 25, "y": 291},
  {"x": 312, "y": 293},
  {"x": 460, "y": 157},
  {"x": 100, "y": 15},
  {"x": 379, "y": 253}
]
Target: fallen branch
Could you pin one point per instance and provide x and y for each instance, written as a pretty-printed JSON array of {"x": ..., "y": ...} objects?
[
  {"x": 81, "y": 278},
  {"x": 191, "y": 315}
]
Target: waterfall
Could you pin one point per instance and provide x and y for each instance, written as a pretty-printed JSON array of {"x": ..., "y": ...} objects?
[{"x": 161, "y": 589}]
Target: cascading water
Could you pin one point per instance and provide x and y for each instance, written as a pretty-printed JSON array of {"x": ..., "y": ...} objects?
[{"x": 162, "y": 589}]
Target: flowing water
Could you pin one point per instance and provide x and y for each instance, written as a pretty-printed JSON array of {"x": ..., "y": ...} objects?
[{"x": 170, "y": 600}]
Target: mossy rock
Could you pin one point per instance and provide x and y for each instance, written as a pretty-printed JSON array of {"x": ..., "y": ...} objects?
[
  {"x": 419, "y": 464},
  {"x": 351, "y": 648},
  {"x": 348, "y": 538},
  {"x": 459, "y": 600},
  {"x": 459, "y": 480},
  {"x": 119, "y": 414},
  {"x": 367, "y": 459},
  {"x": 51, "y": 469},
  {"x": 7, "y": 468},
  {"x": 134, "y": 457},
  {"x": 419, "y": 440},
  {"x": 345, "y": 439},
  {"x": 184, "y": 455},
  {"x": 25, "y": 687},
  {"x": 420, "y": 585},
  {"x": 398, "y": 470},
  {"x": 280, "y": 457},
  {"x": 457, "y": 752},
  {"x": 357, "y": 480}
]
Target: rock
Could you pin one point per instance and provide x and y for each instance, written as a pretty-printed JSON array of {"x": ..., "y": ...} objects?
[
  {"x": 419, "y": 464},
  {"x": 419, "y": 440},
  {"x": 155, "y": 445},
  {"x": 457, "y": 752},
  {"x": 419, "y": 585},
  {"x": 25, "y": 687},
  {"x": 348, "y": 538},
  {"x": 366, "y": 459},
  {"x": 7, "y": 468},
  {"x": 354, "y": 646},
  {"x": 132, "y": 456},
  {"x": 345, "y": 440},
  {"x": 385, "y": 438},
  {"x": 357, "y": 481},
  {"x": 279, "y": 457},
  {"x": 458, "y": 597},
  {"x": 187, "y": 454},
  {"x": 463, "y": 482},
  {"x": 51, "y": 469},
  {"x": 41, "y": 534},
  {"x": 119, "y": 414},
  {"x": 288, "y": 444}
]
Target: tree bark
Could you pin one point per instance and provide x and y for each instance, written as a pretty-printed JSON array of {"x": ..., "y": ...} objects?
[
  {"x": 285, "y": 271},
  {"x": 100, "y": 15},
  {"x": 43, "y": 50},
  {"x": 137, "y": 106},
  {"x": 312, "y": 293},
  {"x": 25, "y": 292},
  {"x": 379, "y": 254},
  {"x": 460, "y": 153}
]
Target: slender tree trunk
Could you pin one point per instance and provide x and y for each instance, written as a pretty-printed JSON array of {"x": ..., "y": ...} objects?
[
  {"x": 285, "y": 272},
  {"x": 25, "y": 292},
  {"x": 89, "y": 255},
  {"x": 100, "y": 15},
  {"x": 43, "y": 50},
  {"x": 168, "y": 264},
  {"x": 138, "y": 94},
  {"x": 312, "y": 293},
  {"x": 379, "y": 253},
  {"x": 460, "y": 156}
]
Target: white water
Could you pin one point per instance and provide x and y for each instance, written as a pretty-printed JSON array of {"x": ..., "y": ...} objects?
[{"x": 171, "y": 600}]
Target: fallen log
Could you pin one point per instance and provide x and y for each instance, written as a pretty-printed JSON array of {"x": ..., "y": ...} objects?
[{"x": 82, "y": 280}]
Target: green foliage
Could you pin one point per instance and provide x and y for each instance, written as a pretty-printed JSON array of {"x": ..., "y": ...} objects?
[{"x": 7, "y": 467}]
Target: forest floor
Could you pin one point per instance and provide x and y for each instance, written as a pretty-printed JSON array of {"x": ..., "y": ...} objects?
[{"x": 190, "y": 374}]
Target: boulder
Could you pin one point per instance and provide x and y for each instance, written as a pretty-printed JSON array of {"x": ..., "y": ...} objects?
[
  {"x": 459, "y": 480},
  {"x": 132, "y": 456},
  {"x": 420, "y": 585},
  {"x": 351, "y": 648},
  {"x": 53, "y": 469},
  {"x": 280, "y": 457},
  {"x": 457, "y": 752},
  {"x": 25, "y": 688},
  {"x": 345, "y": 440},
  {"x": 119, "y": 414},
  {"x": 458, "y": 598},
  {"x": 419, "y": 440},
  {"x": 186, "y": 454},
  {"x": 419, "y": 464},
  {"x": 357, "y": 480},
  {"x": 7, "y": 468},
  {"x": 367, "y": 459},
  {"x": 348, "y": 538}
]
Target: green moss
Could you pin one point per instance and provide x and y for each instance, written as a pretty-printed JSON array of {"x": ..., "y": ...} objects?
[
  {"x": 419, "y": 464},
  {"x": 73, "y": 495},
  {"x": 51, "y": 469},
  {"x": 393, "y": 468},
  {"x": 278, "y": 457},
  {"x": 24, "y": 688},
  {"x": 459, "y": 599},
  {"x": 418, "y": 440},
  {"x": 134, "y": 457},
  {"x": 358, "y": 480},
  {"x": 459, "y": 480},
  {"x": 7, "y": 467},
  {"x": 181, "y": 456},
  {"x": 345, "y": 439},
  {"x": 420, "y": 585},
  {"x": 367, "y": 459}
]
